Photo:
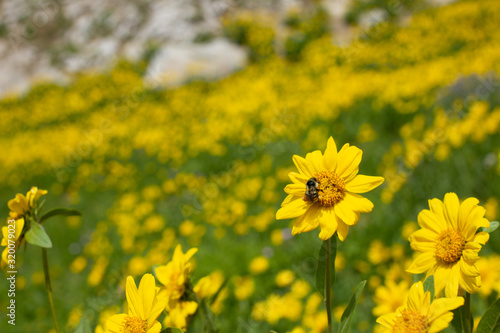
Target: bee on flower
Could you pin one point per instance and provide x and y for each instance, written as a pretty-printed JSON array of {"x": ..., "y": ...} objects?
[{"x": 326, "y": 191}]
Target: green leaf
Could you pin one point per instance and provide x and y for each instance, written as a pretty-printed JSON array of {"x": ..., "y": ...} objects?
[
  {"x": 493, "y": 226},
  {"x": 490, "y": 323},
  {"x": 171, "y": 330},
  {"x": 429, "y": 286},
  {"x": 60, "y": 212},
  {"x": 345, "y": 321},
  {"x": 37, "y": 236},
  {"x": 83, "y": 326},
  {"x": 321, "y": 268}
]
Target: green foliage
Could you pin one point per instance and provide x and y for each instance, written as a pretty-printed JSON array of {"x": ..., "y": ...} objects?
[
  {"x": 252, "y": 30},
  {"x": 345, "y": 321},
  {"x": 37, "y": 235},
  {"x": 322, "y": 263},
  {"x": 490, "y": 322},
  {"x": 303, "y": 29}
]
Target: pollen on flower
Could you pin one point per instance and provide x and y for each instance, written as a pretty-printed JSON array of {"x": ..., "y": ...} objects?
[
  {"x": 134, "y": 325},
  {"x": 450, "y": 246},
  {"x": 331, "y": 188},
  {"x": 410, "y": 322}
]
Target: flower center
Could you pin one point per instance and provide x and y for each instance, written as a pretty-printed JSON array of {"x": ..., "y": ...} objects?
[
  {"x": 410, "y": 322},
  {"x": 450, "y": 246},
  {"x": 134, "y": 325},
  {"x": 331, "y": 188}
]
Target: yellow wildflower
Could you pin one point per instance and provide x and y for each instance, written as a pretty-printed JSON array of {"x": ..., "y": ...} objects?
[
  {"x": 336, "y": 204},
  {"x": 449, "y": 244}
]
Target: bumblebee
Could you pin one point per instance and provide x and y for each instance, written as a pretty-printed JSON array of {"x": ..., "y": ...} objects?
[{"x": 312, "y": 190}]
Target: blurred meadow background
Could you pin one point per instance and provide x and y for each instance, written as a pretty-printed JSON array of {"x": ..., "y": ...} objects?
[{"x": 175, "y": 122}]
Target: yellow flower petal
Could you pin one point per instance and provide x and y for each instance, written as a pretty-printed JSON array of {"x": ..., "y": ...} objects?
[
  {"x": 156, "y": 328},
  {"x": 330, "y": 157},
  {"x": 303, "y": 166},
  {"x": 452, "y": 282},
  {"x": 328, "y": 222},
  {"x": 288, "y": 199},
  {"x": 348, "y": 161},
  {"x": 345, "y": 213},
  {"x": 451, "y": 206},
  {"x": 442, "y": 305},
  {"x": 441, "y": 323},
  {"x": 429, "y": 220},
  {"x": 146, "y": 294},
  {"x": 415, "y": 297},
  {"x": 297, "y": 178},
  {"x": 358, "y": 203},
  {"x": 315, "y": 160},
  {"x": 468, "y": 269},
  {"x": 307, "y": 222},
  {"x": 422, "y": 263},
  {"x": 423, "y": 240},
  {"x": 387, "y": 320},
  {"x": 134, "y": 307},
  {"x": 363, "y": 184},
  {"x": 482, "y": 237},
  {"x": 436, "y": 206},
  {"x": 294, "y": 208},
  {"x": 114, "y": 323},
  {"x": 342, "y": 230},
  {"x": 296, "y": 189},
  {"x": 464, "y": 211}
]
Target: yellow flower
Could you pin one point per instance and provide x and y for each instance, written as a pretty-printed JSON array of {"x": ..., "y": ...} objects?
[
  {"x": 18, "y": 206},
  {"x": 18, "y": 225},
  {"x": 177, "y": 315},
  {"x": 419, "y": 315},
  {"x": 449, "y": 244},
  {"x": 33, "y": 195},
  {"x": 174, "y": 275},
  {"x": 259, "y": 265},
  {"x": 21, "y": 204},
  {"x": 144, "y": 308},
  {"x": 338, "y": 204},
  {"x": 389, "y": 297}
]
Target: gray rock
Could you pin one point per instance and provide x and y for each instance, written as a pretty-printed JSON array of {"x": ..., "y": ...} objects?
[{"x": 176, "y": 62}]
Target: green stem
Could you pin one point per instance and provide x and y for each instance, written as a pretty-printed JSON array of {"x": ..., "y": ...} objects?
[
  {"x": 466, "y": 314},
  {"x": 49, "y": 287},
  {"x": 328, "y": 299}
]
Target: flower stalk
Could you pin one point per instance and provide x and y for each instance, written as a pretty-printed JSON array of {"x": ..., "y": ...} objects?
[
  {"x": 466, "y": 314},
  {"x": 49, "y": 287},
  {"x": 328, "y": 300}
]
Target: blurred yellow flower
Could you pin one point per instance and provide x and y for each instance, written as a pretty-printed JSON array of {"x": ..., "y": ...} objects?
[
  {"x": 284, "y": 278},
  {"x": 178, "y": 314},
  {"x": 175, "y": 274},
  {"x": 18, "y": 206},
  {"x": 244, "y": 287},
  {"x": 418, "y": 314},
  {"x": 259, "y": 265},
  {"x": 490, "y": 274},
  {"x": 335, "y": 204},
  {"x": 18, "y": 226},
  {"x": 33, "y": 195},
  {"x": 378, "y": 252},
  {"x": 21, "y": 205},
  {"x": 389, "y": 297},
  {"x": 144, "y": 308},
  {"x": 449, "y": 244}
]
